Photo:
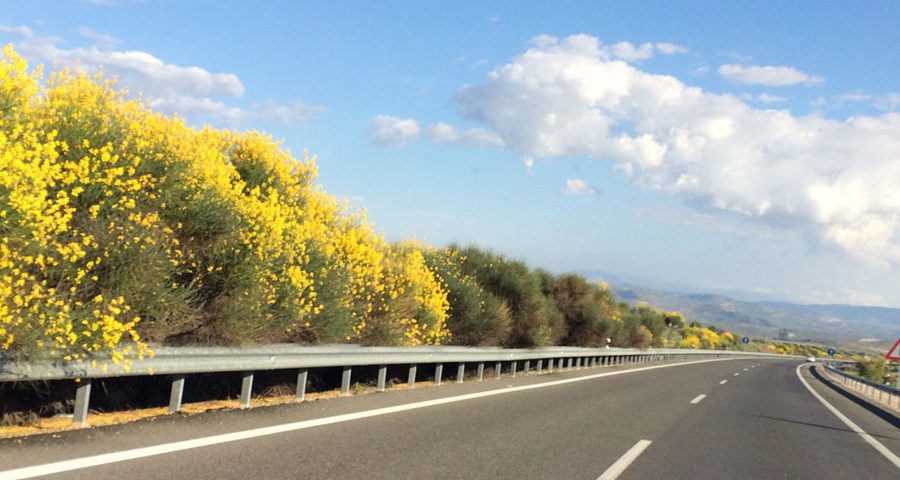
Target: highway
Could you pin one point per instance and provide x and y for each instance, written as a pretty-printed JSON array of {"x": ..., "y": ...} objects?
[{"x": 726, "y": 419}]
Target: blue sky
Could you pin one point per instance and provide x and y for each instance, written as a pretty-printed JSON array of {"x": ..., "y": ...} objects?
[{"x": 720, "y": 146}]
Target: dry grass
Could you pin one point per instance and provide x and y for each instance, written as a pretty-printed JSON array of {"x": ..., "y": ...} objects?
[{"x": 100, "y": 419}]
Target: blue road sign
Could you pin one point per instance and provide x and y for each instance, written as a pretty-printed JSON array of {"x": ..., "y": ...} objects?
[
  {"x": 831, "y": 352},
  {"x": 745, "y": 340}
]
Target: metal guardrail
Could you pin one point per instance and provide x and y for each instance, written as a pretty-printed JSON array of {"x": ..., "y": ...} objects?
[
  {"x": 869, "y": 387},
  {"x": 182, "y": 361}
]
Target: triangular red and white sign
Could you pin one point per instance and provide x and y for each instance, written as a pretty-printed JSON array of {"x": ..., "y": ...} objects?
[{"x": 894, "y": 352}]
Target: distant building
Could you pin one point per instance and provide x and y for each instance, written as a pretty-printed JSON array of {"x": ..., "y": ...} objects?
[{"x": 785, "y": 334}]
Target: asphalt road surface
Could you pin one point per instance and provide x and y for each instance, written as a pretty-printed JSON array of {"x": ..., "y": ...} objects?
[{"x": 728, "y": 419}]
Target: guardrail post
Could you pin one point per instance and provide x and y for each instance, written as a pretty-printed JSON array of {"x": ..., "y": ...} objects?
[
  {"x": 345, "y": 380},
  {"x": 176, "y": 393},
  {"x": 526, "y": 367},
  {"x": 498, "y": 369},
  {"x": 302, "y": 375},
  {"x": 438, "y": 373},
  {"x": 569, "y": 363},
  {"x": 382, "y": 377},
  {"x": 559, "y": 363},
  {"x": 460, "y": 373},
  {"x": 82, "y": 400},
  {"x": 411, "y": 378},
  {"x": 578, "y": 363},
  {"x": 512, "y": 368},
  {"x": 246, "y": 389},
  {"x": 540, "y": 365},
  {"x": 480, "y": 371}
]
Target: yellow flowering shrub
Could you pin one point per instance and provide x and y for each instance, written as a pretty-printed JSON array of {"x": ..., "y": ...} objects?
[
  {"x": 701, "y": 336},
  {"x": 412, "y": 307},
  {"x": 119, "y": 226}
]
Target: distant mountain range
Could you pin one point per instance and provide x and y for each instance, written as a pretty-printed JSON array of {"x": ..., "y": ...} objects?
[{"x": 767, "y": 319}]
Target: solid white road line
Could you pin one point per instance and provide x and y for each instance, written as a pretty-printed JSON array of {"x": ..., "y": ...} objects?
[
  {"x": 862, "y": 433},
  {"x": 698, "y": 399},
  {"x": 616, "y": 469},
  {"x": 723, "y": 382},
  {"x": 114, "y": 457}
]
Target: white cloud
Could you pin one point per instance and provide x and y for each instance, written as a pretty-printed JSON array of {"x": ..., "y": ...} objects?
[
  {"x": 700, "y": 71},
  {"x": 386, "y": 130},
  {"x": 190, "y": 91},
  {"x": 188, "y": 106},
  {"x": 769, "y": 98},
  {"x": 667, "y": 48},
  {"x": 631, "y": 53},
  {"x": 767, "y": 75},
  {"x": 628, "y": 52},
  {"x": 20, "y": 30},
  {"x": 443, "y": 133},
  {"x": 890, "y": 101},
  {"x": 577, "y": 186},
  {"x": 529, "y": 165},
  {"x": 391, "y": 131},
  {"x": 100, "y": 37},
  {"x": 832, "y": 181},
  {"x": 855, "y": 97}
]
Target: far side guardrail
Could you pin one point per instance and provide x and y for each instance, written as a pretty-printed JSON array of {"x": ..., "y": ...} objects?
[
  {"x": 875, "y": 391},
  {"x": 179, "y": 362}
]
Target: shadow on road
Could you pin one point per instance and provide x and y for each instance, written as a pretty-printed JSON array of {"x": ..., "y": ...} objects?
[
  {"x": 874, "y": 409},
  {"x": 816, "y": 425}
]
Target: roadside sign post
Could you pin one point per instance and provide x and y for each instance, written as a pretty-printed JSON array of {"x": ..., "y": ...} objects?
[
  {"x": 745, "y": 340},
  {"x": 894, "y": 354},
  {"x": 831, "y": 352}
]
